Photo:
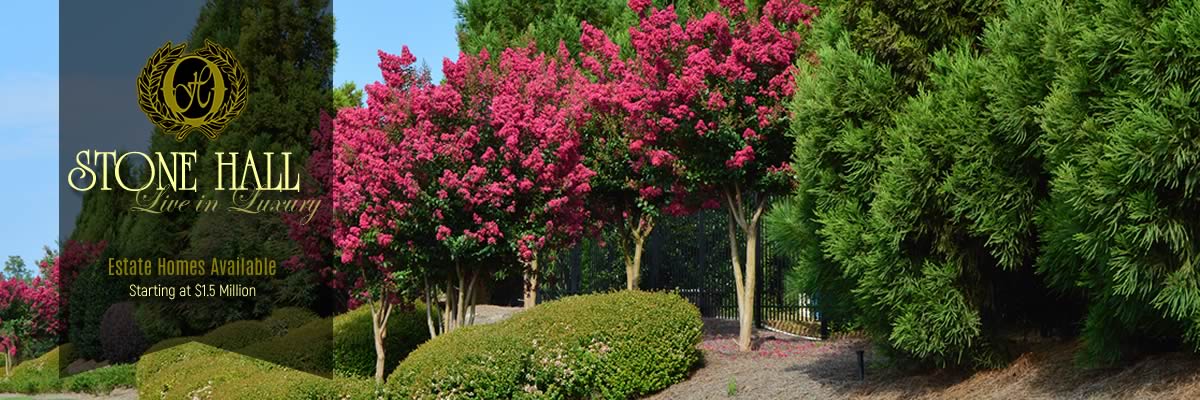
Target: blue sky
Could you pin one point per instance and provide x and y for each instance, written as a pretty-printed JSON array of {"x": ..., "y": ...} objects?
[
  {"x": 29, "y": 129},
  {"x": 364, "y": 27},
  {"x": 29, "y": 96}
]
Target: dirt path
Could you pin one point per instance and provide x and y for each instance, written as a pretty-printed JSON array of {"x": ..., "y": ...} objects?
[
  {"x": 781, "y": 367},
  {"x": 487, "y": 313}
]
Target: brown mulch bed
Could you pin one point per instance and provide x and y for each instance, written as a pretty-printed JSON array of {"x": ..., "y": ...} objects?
[{"x": 787, "y": 367}]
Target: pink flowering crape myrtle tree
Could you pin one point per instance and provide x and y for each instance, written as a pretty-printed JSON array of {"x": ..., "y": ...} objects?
[
  {"x": 32, "y": 311},
  {"x": 376, "y": 226},
  {"x": 707, "y": 99},
  {"x": 631, "y": 188},
  {"x": 28, "y": 311},
  {"x": 533, "y": 153},
  {"x": 434, "y": 182}
]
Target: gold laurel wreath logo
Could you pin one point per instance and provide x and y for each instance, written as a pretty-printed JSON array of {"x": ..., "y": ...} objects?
[{"x": 165, "y": 114}]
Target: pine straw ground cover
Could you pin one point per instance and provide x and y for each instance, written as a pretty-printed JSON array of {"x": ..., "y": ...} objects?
[
  {"x": 1048, "y": 371},
  {"x": 785, "y": 367}
]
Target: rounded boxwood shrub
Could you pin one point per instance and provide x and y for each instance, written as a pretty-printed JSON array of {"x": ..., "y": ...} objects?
[
  {"x": 616, "y": 345},
  {"x": 306, "y": 348},
  {"x": 284, "y": 319},
  {"x": 120, "y": 335},
  {"x": 354, "y": 342},
  {"x": 191, "y": 370},
  {"x": 171, "y": 353},
  {"x": 237, "y": 334}
]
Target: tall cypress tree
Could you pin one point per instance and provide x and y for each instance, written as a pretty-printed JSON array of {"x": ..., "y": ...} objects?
[
  {"x": 922, "y": 207},
  {"x": 287, "y": 51}
]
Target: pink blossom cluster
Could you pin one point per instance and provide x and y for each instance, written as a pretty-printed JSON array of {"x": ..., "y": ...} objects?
[
  {"x": 29, "y": 309},
  {"x": 35, "y": 308},
  {"x": 487, "y": 159},
  {"x": 711, "y": 88}
]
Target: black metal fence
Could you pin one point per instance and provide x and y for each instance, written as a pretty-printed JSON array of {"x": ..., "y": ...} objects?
[{"x": 689, "y": 255}]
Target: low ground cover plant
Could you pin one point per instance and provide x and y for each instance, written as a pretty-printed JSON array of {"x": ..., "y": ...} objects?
[{"x": 42, "y": 375}]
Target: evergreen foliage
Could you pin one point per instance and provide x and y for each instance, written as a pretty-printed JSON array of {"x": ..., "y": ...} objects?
[
  {"x": 977, "y": 178},
  {"x": 1122, "y": 144},
  {"x": 497, "y": 24},
  {"x": 921, "y": 188}
]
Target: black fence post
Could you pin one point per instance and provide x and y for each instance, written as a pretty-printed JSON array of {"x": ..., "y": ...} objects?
[{"x": 576, "y": 260}]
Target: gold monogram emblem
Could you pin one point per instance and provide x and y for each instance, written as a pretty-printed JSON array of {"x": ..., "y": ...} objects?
[{"x": 202, "y": 91}]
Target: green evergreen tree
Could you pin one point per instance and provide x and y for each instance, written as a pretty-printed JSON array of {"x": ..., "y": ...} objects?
[
  {"x": 347, "y": 95},
  {"x": 939, "y": 172},
  {"x": 15, "y": 268},
  {"x": 918, "y": 204},
  {"x": 497, "y": 24},
  {"x": 1123, "y": 148}
]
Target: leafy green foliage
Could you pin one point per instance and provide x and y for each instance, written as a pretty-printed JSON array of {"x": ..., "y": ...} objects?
[
  {"x": 615, "y": 345},
  {"x": 791, "y": 230},
  {"x": 41, "y": 375},
  {"x": 184, "y": 368},
  {"x": 101, "y": 381},
  {"x": 921, "y": 202},
  {"x": 902, "y": 34},
  {"x": 496, "y": 25},
  {"x": 156, "y": 324},
  {"x": 14, "y": 267},
  {"x": 195, "y": 370},
  {"x": 91, "y": 294},
  {"x": 347, "y": 95}
]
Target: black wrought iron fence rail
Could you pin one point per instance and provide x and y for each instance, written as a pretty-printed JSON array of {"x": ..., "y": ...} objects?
[{"x": 688, "y": 255}]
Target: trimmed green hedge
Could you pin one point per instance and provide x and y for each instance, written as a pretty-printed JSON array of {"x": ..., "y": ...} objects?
[
  {"x": 354, "y": 342},
  {"x": 237, "y": 335},
  {"x": 196, "y": 370},
  {"x": 286, "y": 318},
  {"x": 304, "y": 348},
  {"x": 38, "y": 375},
  {"x": 182, "y": 370},
  {"x": 616, "y": 345}
]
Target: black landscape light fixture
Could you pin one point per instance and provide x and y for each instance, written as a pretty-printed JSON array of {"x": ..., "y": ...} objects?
[{"x": 862, "y": 366}]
